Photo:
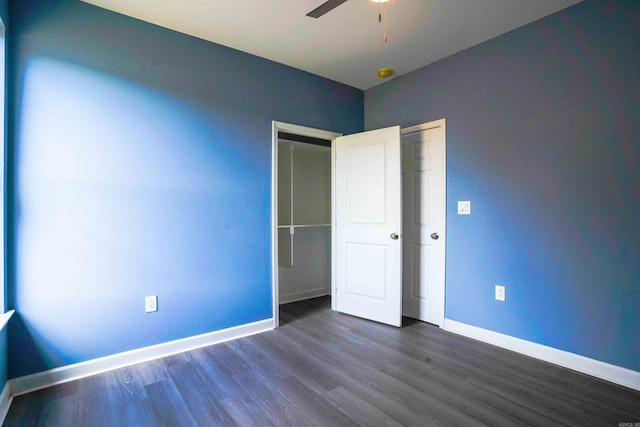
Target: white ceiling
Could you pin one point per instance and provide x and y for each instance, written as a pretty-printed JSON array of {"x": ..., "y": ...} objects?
[{"x": 346, "y": 44}]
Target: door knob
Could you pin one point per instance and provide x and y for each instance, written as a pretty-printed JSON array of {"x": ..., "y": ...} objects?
[
  {"x": 435, "y": 236},
  {"x": 394, "y": 236}
]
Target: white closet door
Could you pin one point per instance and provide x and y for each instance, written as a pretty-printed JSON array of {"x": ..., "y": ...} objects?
[
  {"x": 368, "y": 188},
  {"x": 424, "y": 222}
]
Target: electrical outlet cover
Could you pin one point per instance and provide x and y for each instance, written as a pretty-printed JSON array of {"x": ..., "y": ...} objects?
[
  {"x": 464, "y": 207},
  {"x": 151, "y": 304}
]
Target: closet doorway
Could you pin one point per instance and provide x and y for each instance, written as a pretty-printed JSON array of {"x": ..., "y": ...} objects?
[
  {"x": 423, "y": 233},
  {"x": 301, "y": 213}
]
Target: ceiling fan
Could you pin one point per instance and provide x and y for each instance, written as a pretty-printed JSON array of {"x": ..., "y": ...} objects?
[
  {"x": 325, "y": 7},
  {"x": 329, "y": 5}
]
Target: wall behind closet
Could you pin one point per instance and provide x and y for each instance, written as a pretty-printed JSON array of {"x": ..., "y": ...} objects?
[
  {"x": 304, "y": 201},
  {"x": 141, "y": 165}
]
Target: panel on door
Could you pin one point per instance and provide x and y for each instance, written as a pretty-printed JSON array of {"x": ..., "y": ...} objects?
[
  {"x": 368, "y": 221},
  {"x": 424, "y": 224}
]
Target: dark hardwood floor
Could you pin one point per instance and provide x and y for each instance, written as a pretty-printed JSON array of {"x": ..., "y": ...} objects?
[{"x": 321, "y": 368}]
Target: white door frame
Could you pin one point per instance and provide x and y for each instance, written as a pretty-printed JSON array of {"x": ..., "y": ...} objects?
[
  {"x": 426, "y": 126},
  {"x": 296, "y": 130}
]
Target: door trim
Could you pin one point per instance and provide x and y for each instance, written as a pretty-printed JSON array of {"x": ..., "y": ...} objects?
[
  {"x": 296, "y": 130},
  {"x": 419, "y": 128}
]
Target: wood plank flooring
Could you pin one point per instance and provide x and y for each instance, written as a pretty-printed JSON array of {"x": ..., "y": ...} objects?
[{"x": 322, "y": 368}]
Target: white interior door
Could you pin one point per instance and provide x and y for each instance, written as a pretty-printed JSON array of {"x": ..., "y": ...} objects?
[
  {"x": 424, "y": 182},
  {"x": 368, "y": 225}
]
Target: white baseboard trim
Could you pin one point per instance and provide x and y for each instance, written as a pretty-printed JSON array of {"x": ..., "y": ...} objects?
[
  {"x": 5, "y": 402},
  {"x": 615, "y": 374},
  {"x": 299, "y": 296},
  {"x": 76, "y": 371}
]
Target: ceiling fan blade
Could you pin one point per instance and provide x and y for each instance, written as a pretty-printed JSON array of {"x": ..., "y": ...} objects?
[{"x": 325, "y": 7}]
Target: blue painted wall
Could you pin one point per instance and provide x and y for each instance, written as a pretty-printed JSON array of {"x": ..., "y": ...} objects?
[
  {"x": 4, "y": 352},
  {"x": 543, "y": 136},
  {"x": 141, "y": 165}
]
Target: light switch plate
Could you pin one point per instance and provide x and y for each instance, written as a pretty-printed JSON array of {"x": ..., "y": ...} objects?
[{"x": 464, "y": 208}]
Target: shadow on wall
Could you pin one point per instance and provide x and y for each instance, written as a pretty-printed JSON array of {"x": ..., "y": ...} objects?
[{"x": 37, "y": 354}]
